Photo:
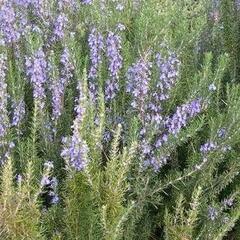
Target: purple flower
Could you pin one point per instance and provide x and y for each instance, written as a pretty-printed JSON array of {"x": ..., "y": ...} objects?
[
  {"x": 95, "y": 43},
  {"x": 75, "y": 152},
  {"x": 183, "y": 114},
  {"x": 59, "y": 27},
  {"x": 221, "y": 133},
  {"x": 18, "y": 112},
  {"x": 111, "y": 89},
  {"x": 113, "y": 44},
  {"x": 37, "y": 72},
  {"x": 212, "y": 213},
  {"x": 55, "y": 199},
  {"x": 208, "y": 147},
  {"x": 155, "y": 162},
  {"x": 228, "y": 202},
  {"x": 45, "y": 181}
]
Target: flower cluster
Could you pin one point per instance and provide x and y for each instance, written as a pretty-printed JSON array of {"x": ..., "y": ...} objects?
[
  {"x": 138, "y": 78},
  {"x": 59, "y": 27},
  {"x": 168, "y": 68},
  {"x": 58, "y": 87},
  {"x": 183, "y": 114},
  {"x": 113, "y": 45},
  {"x": 18, "y": 112},
  {"x": 3, "y": 97},
  {"x": 8, "y": 28},
  {"x": 96, "y": 45},
  {"x": 75, "y": 148},
  {"x": 208, "y": 147},
  {"x": 37, "y": 72},
  {"x": 75, "y": 152}
]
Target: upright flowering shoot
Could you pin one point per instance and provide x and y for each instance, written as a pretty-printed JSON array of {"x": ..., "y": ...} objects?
[
  {"x": 59, "y": 27},
  {"x": 8, "y": 27},
  {"x": 3, "y": 98},
  {"x": 18, "y": 108},
  {"x": 95, "y": 43},
  {"x": 58, "y": 87},
  {"x": 113, "y": 44},
  {"x": 183, "y": 114},
  {"x": 75, "y": 148},
  {"x": 37, "y": 72},
  {"x": 168, "y": 69},
  {"x": 138, "y": 83}
]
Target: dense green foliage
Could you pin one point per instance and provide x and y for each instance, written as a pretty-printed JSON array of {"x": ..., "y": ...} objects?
[{"x": 195, "y": 195}]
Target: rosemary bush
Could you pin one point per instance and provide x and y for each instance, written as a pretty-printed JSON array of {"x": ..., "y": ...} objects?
[{"x": 119, "y": 119}]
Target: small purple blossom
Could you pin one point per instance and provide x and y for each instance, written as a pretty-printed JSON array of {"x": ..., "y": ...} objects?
[
  {"x": 208, "y": 147},
  {"x": 120, "y": 7},
  {"x": 45, "y": 181},
  {"x": 228, "y": 202},
  {"x": 212, "y": 87},
  {"x": 55, "y": 199},
  {"x": 86, "y": 2},
  {"x": 121, "y": 27},
  {"x": 226, "y": 148},
  {"x": 221, "y": 133},
  {"x": 212, "y": 213}
]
